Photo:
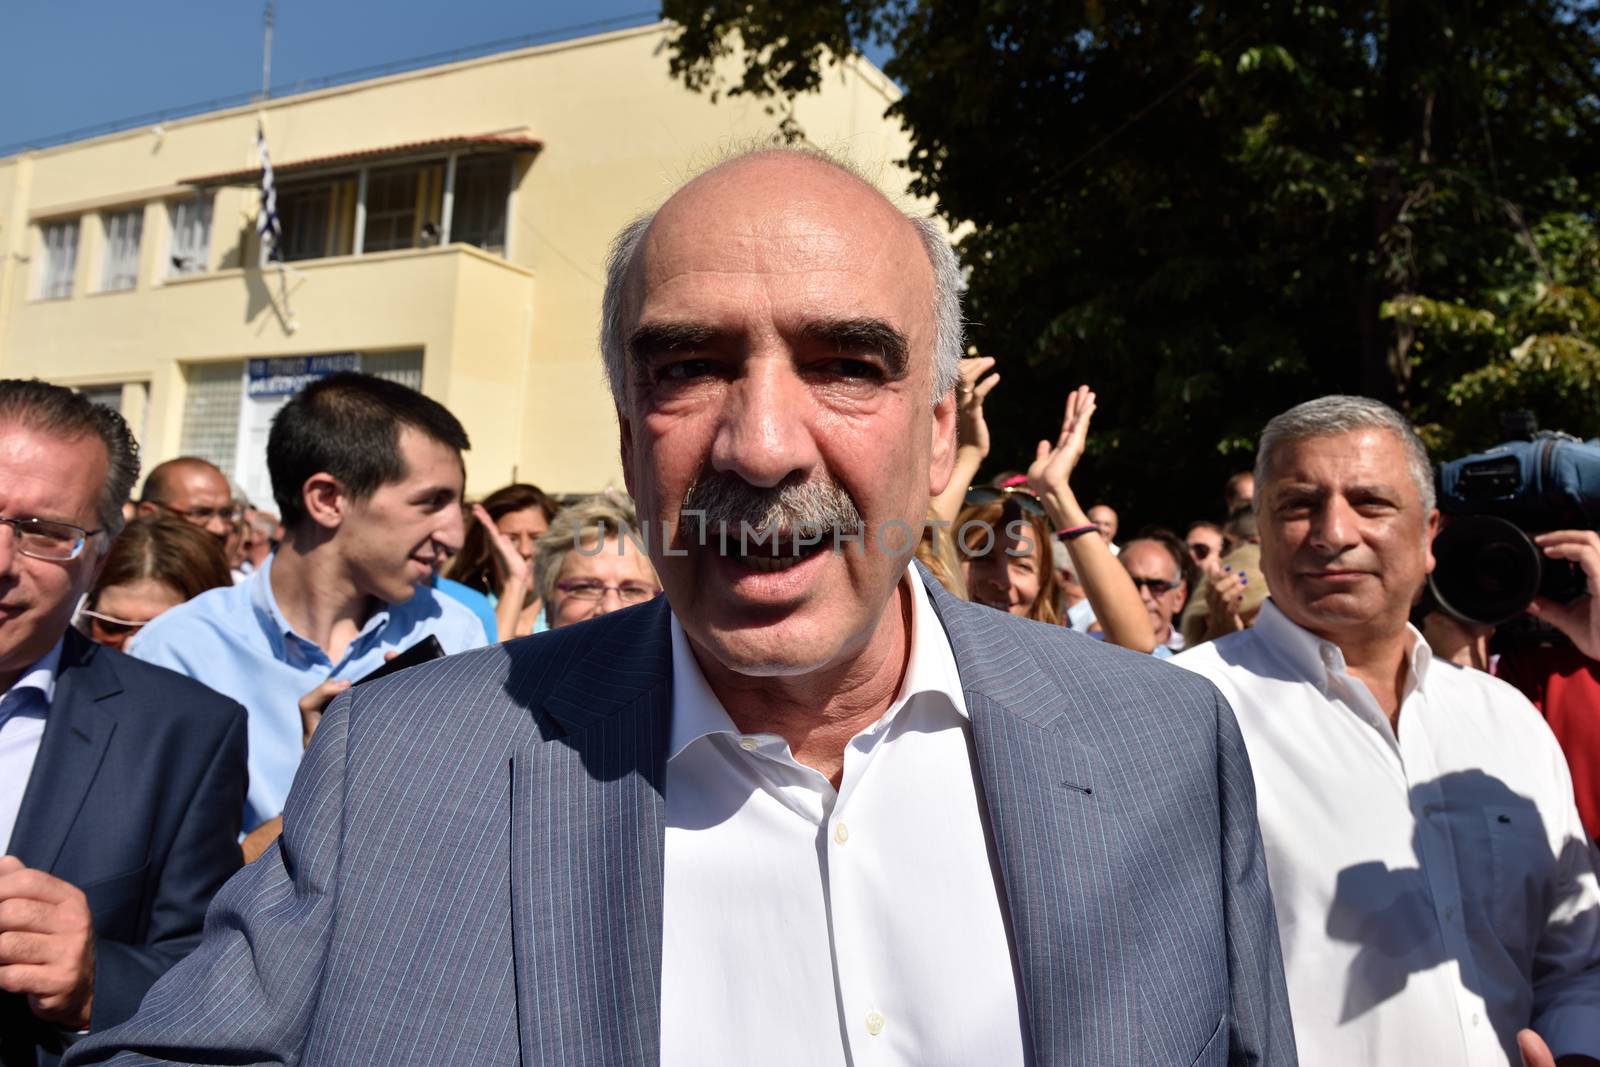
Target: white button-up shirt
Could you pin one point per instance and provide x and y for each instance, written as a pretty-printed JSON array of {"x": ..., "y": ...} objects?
[
  {"x": 23, "y": 709},
  {"x": 806, "y": 926},
  {"x": 1435, "y": 891}
]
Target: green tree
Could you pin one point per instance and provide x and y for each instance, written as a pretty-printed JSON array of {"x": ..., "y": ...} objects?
[{"x": 1210, "y": 211}]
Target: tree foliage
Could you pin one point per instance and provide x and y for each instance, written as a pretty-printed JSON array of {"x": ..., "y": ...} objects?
[{"x": 1212, "y": 210}]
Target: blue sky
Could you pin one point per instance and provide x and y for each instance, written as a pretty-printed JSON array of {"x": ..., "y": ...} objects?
[{"x": 75, "y": 63}]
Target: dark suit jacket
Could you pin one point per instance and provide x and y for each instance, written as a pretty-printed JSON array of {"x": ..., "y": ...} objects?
[
  {"x": 471, "y": 867},
  {"x": 135, "y": 798}
]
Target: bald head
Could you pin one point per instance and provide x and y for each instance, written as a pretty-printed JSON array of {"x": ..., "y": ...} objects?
[
  {"x": 191, "y": 489},
  {"x": 813, "y": 212}
]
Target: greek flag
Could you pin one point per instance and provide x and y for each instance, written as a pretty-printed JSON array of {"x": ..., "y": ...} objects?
[{"x": 267, "y": 226}]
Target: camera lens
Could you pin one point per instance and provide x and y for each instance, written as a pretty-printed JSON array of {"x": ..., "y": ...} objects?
[{"x": 1486, "y": 569}]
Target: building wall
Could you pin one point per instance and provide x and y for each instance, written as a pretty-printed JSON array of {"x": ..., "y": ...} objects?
[{"x": 509, "y": 344}]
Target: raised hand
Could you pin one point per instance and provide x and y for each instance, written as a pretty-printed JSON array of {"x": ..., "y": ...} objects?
[
  {"x": 1052, "y": 466},
  {"x": 971, "y": 429},
  {"x": 512, "y": 566},
  {"x": 1224, "y": 599}
]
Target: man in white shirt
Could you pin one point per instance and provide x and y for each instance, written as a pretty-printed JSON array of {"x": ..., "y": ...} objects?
[
  {"x": 1435, "y": 892},
  {"x": 805, "y": 809}
]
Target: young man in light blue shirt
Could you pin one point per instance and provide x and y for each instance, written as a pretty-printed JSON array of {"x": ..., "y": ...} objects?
[{"x": 368, "y": 477}]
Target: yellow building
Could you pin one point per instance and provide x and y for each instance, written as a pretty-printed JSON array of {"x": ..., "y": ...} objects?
[{"x": 446, "y": 227}]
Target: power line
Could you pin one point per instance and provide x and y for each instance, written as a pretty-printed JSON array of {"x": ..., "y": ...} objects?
[{"x": 344, "y": 77}]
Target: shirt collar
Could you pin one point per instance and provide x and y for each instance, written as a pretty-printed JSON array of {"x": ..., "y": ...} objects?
[
  {"x": 41, "y": 677},
  {"x": 930, "y": 668},
  {"x": 1319, "y": 660},
  {"x": 277, "y": 626}
]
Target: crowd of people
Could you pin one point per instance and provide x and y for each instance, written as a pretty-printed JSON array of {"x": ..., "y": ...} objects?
[{"x": 931, "y": 800}]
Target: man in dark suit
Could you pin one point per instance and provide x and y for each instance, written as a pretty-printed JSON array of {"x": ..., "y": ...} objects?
[
  {"x": 121, "y": 783},
  {"x": 806, "y": 809}
]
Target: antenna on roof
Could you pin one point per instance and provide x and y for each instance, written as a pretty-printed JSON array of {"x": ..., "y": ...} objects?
[{"x": 266, "y": 51}]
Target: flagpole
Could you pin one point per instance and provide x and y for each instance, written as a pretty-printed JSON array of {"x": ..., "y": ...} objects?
[{"x": 266, "y": 52}]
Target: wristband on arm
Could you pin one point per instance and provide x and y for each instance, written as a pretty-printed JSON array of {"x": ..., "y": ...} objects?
[{"x": 1072, "y": 533}]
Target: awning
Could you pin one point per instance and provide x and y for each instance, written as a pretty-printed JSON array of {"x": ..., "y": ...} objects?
[{"x": 479, "y": 143}]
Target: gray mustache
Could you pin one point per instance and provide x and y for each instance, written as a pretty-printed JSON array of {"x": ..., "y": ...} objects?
[{"x": 730, "y": 504}]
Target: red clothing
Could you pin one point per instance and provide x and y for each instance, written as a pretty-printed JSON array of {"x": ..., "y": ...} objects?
[{"x": 1564, "y": 684}]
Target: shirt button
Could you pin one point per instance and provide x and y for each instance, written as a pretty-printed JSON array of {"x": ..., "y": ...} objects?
[
  {"x": 1474, "y": 1018},
  {"x": 1450, "y": 912},
  {"x": 874, "y": 1023},
  {"x": 748, "y": 743},
  {"x": 841, "y": 834}
]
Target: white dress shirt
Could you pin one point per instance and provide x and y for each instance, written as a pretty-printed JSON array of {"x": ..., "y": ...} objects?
[
  {"x": 1435, "y": 891},
  {"x": 806, "y": 926},
  {"x": 23, "y": 709}
]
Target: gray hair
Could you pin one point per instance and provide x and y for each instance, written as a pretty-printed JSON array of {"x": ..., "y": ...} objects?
[
  {"x": 583, "y": 522},
  {"x": 1329, "y": 415},
  {"x": 948, "y": 333},
  {"x": 69, "y": 415}
]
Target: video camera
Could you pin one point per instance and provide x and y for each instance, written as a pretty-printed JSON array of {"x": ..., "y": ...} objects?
[{"x": 1487, "y": 567}]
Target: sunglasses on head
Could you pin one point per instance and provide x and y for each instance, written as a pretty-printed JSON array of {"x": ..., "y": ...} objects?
[
  {"x": 1023, "y": 498},
  {"x": 110, "y": 625}
]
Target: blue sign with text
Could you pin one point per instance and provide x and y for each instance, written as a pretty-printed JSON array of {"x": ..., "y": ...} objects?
[{"x": 288, "y": 375}]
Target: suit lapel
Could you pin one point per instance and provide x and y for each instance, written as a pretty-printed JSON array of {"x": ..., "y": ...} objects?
[
  {"x": 588, "y": 826},
  {"x": 76, "y": 734},
  {"x": 1052, "y": 829}
]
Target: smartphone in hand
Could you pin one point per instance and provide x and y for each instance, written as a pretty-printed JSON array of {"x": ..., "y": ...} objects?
[{"x": 419, "y": 653}]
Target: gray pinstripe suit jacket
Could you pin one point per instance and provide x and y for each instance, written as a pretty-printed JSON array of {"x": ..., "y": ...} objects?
[{"x": 471, "y": 869}]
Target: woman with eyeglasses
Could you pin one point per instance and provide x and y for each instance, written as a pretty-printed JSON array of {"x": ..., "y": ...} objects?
[
  {"x": 153, "y": 565},
  {"x": 589, "y": 562}
]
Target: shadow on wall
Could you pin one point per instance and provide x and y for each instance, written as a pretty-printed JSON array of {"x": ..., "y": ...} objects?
[{"x": 271, "y": 288}]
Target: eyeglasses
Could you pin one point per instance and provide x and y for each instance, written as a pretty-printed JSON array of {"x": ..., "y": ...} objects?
[
  {"x": 591, "y": 591},
  {"x": 1199, "y": 550},
  {"x": 1156, "y": 586},
  {"x": 980, "y": 495},
  {"x": 201, "y": 516},
  {"x": 106, "y": 627},
  {"x": 43, "y": 539}
]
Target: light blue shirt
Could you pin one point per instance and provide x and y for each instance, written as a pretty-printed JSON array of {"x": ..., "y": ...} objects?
[
  {"x": 23, "y": 710},
  {"x": 235, "y": 640},
  {"x": 481, "y": 605}
]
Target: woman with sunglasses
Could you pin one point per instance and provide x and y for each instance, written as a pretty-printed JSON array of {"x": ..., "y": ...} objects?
[{"x": 153, "y": 565}]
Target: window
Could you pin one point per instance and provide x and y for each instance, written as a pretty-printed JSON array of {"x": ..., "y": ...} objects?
[
  {"x": 60, "y": 259},
  {"x": 211, "y": 413},
  {"x": 403, "y": 367},
  {"x": 303, "y": 214},
  {"x": 479, "y": 214},
  {"x": 122, "y": 231},
  {"x": 131, "y": 401},
  {"x": 191, "y": 235},
  {"x": 107, "y": 396},
  {"x": 318, "y": 217},
  {"x": 391, "y": 209}
]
